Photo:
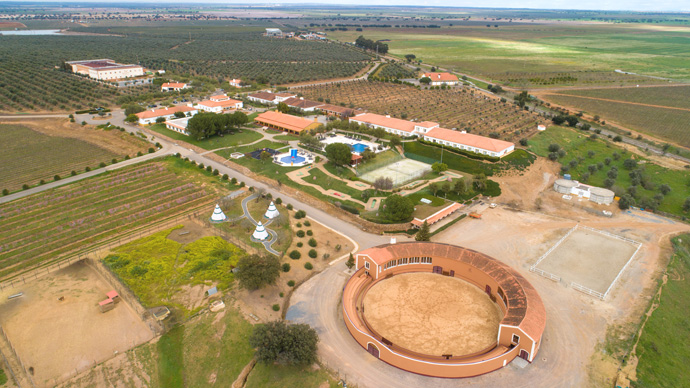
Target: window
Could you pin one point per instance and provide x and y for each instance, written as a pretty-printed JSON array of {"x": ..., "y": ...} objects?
[
  {"x": 366, "y": 264},
  {"x": 516, "y": 339}
]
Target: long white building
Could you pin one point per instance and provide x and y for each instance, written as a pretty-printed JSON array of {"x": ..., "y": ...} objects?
[
  {"x": 106, "y": 69},
  {"x": 432, "y": 132}
]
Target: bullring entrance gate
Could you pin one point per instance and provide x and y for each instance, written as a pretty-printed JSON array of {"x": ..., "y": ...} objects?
[{"x": 373, "y": 350}]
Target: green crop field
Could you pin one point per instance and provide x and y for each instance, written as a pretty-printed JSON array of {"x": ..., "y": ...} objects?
[
  {"x": 29, "y": 156},
  {"x": 36, "y": 79},
  {"x": 595, "y": 169},
  {"x": 460, "y": 109},
  {"x": 666, "y": 120},
  {"x": 544, "y": 54},
  {"x": 662, "y": 351},
  {"x": 45, "y": 226}
]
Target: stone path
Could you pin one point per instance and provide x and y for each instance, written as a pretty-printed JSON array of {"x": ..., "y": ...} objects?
[{"x": 274, "y": 236}]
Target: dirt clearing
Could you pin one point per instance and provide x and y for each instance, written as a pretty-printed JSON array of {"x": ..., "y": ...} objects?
[
  {"x": 588, "y": 258},
  {"x": 59, "y": 338},
  {"x": 432, "y": 314}
]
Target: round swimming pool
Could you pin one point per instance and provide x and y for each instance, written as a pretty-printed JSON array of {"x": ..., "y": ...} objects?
[{"x": 290, "y": 159}]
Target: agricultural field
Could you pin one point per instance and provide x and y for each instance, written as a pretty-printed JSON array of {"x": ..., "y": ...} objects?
[
  {"x": 394, "y": 71},
  {"x": 41, "y": 228},
  {"x": 538, "y": 55},
  {"x": 662, "y": 112},
  {"x": 37, "y": 81},
  {"x": 41, "y": 151},
  {"x": 591, "y": 161},
  {"x": 461, "y": 109},
  {"x": 660, "y": 350}
]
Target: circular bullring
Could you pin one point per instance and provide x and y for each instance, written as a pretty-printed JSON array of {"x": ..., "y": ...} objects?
[{"x": 441, "y": 310}]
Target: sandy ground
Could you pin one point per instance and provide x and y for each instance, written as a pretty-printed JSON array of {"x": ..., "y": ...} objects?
[
  {"x": 523, "y": 189},
  {"x": 432, "y": 314},
  {"x": 60, "y": 338},
  {"x": 113, "y": 140},
  {"x": 588, "y": 258}
]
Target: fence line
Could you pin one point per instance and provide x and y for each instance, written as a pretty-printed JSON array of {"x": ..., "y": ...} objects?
[
  {"x": 534, "y": 266},
  {"x": 9, "y": 369},
  {"x": 16, "y": 356},
  {"x": 587, "y": 290},
  {"x": 621, "y": 271},
  {"x": 545, "y": 274},
  {"x": 605, "y": 233}
]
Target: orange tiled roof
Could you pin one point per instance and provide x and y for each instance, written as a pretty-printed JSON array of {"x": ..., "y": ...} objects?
[
  {"x": 147, "y": 114},
  {"x": 283, "y": 120},
  {"x": 485, "y": 143},
  {"x": 224, "y": 103},
  {"x": 525, "y": 307},
  {"x": 173, "y": 85},
  {"x": 383, "y": 121},
  {"x": 442, "y": 77},
  {"x": 268, "y": 96}
]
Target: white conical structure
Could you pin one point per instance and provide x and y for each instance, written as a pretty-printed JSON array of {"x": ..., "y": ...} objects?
[
  {"x": 272, "y": 212},
  {"x": 218, "y": 215},
  {"x": 260, "y": 232}
]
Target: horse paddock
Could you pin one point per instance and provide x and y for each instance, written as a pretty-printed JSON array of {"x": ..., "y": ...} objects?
[{"x": 56, "y": 326}]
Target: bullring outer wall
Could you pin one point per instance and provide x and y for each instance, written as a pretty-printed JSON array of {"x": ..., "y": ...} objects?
[{"x": 522, "y": 308}]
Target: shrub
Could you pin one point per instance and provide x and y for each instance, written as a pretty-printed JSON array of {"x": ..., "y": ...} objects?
[
  {"x": 102, "y": 164},
  {"x": 209, "y": 168},
  {"x": 295, "y": 255},
  {"x": 291, "y": 283},
  {"x": 300, "y": 244},
  {"x": 300, "y": 233},
  {"x": 282, "y": 294},
  {"x": 300, "y": 214},
  {"x": 216, "y": 172},
  {"x": 299, "y": 224},
  {"x": 276, "y": 307},
  {"x": 312, "y": 253},
  {"x": 73, "y": 173},
  {"x": 256, "y": 271},
  {"x": 286, "y": 267},
  {"x": 151, "y": 150},
  {"x": 289, "y": 206},
  {"x": 224, "y": 177},
  {"x": 25, "y": 186},
  {"x": 278, "y": 201},
  {"x": 42, "y": 182},
  {"x": 56, "y": 177},
  {"x": 307, "y": 223},
  {"x": 139, "y": 153},
  {"x": 233, "y": 180},
  {"x": 310, "y": 233},
  {"x": 5, "y": 192},
  {"x": 312, "y": 242},
  {"x": 308, "y": 266}
]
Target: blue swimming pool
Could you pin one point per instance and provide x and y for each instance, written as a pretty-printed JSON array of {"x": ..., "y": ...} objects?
[
  {"x": 359, "y": 147},
  {"x": 289, "y": 159}
]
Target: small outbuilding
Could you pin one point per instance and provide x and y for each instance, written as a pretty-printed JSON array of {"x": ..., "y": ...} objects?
[
  {"x": 260, "y": 233},
  {"x": 218, "y": 215},
  {"x": 272, "y": 211}
]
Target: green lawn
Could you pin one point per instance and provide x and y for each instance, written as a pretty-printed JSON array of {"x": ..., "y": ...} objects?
[
  {"x": 429, "y": 154},
  {"x": 663, "y": 353},
  {"x": 286, "y": 137},
  {"x": 170, "y": 358},
  {"x": 330, "y": 183},
  {"x": 342, "y": 172},
  {"x": 416, "y": 197},
  {"x": 577, "y": 144},
  {"x": 215, "y": 142},
  {"x": 279, "y": 376}
]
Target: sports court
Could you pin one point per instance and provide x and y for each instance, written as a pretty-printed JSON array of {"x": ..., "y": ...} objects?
[
  {"x": 57, "y": 328},
  {"x": 400, "y": 172},
  {"x": 432, "y": 314},
  {"x": 588, "y": 257}
]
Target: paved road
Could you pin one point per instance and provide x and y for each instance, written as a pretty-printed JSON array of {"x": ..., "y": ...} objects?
[{"x": 39, "y": 116}]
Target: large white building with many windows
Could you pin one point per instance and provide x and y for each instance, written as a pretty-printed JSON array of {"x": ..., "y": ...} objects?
[
  {"x": 105, "y": 69},
  {"x": 432, "y": 132}
]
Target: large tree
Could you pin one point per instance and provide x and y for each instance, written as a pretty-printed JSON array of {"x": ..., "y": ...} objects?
[
  {"x": 424, "y": 234},
  {"x": 397, "y": 208},
  {"x": 256, "y": 271},
  {"x": 286, "y": 344},
  {"x": 339, "y": 154},
  {"x": 204, "y": 125}
]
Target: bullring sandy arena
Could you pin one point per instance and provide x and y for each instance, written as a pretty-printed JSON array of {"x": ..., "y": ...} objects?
[
  {"x": 58, "y": 338},
  {"x": 432, "y": 314}
]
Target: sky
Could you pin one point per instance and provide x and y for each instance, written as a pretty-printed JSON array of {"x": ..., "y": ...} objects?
[{"x": 609, "y": 5}]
